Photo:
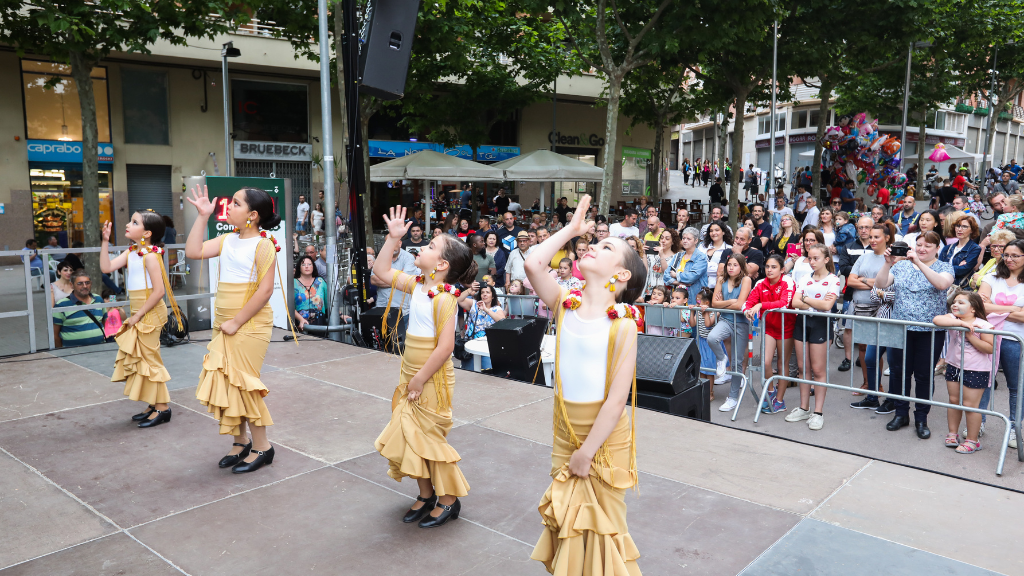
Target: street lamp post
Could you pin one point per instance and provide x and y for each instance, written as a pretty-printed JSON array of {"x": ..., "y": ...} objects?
[
  {"x": 906, "y": 102},
  {"x": 770, "y": 181},
  {"x": 228, "y": 50},
  {"x": 988, "y": 129},
  {"x": 328, "y": 136}
]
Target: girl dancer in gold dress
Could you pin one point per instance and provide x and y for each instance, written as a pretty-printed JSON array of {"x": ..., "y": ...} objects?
[
  {"x": 415, "y": 441},
  {"x": 593, "y": 459}
]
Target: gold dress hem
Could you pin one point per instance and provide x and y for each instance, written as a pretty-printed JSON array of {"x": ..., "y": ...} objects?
[{"x": 138, "y": 363}]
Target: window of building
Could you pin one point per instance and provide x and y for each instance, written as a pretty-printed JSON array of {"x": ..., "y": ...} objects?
[
  {"x": 269, "y": 111},
  {"x": 763, "y": 124},
  {"x": 799, "y": 119},
  {"x": 144, "y": 94},
  {"x": 52, "y": 110},
  {"x": 949, "y": 121}
]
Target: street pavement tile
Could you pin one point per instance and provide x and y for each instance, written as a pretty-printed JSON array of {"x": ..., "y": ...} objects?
[
  {"x": 37, "y": 518},
  {"x": 111, "y": 556},
  {"x": 41, "y": 383},
  {"x": 969, "y": 522},
  {"x": 822, "y": 549},
  {"x": 132, "y": 475},
  {"x": 328, "y": 522},
  {"x": 374, "y": 373},
  {"x": 733, "y": 462},
  {"x": 308, "y": 351},
  {"x": 322, "y": 420},
  {"x": 532, "y": 421}
]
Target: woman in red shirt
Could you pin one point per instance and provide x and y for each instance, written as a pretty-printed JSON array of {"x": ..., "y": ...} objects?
[{"x": 775, "y": 291}]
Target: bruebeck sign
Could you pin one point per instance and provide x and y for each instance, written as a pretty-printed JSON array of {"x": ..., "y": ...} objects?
[{"x": 273, "y": 151}]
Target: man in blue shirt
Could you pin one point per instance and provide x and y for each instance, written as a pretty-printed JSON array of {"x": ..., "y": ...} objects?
[
  {"x": 1015, "y": 168},
  {"x": 35, "y": 260},
  {"x": 81, "y": 327},
  {"x": 847, "y": 196},
  {"x": 907, "y": 217}
]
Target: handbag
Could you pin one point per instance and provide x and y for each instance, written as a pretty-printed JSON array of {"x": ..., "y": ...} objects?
[
  {"x": 98, "y": 324},
  {"x": 460, "y": 352}
]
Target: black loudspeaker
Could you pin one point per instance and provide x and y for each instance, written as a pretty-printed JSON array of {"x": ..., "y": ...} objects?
[
  {"x": 514, "y": 346},
  {"x": 693, "y": 403},
  {"x": 666, "y": 365},
  {"x": 369, "y": 328},
  {"x": 386, "y": 47}
]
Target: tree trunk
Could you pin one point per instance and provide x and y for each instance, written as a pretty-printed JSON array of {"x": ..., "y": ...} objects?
[
  {"x": 611, "y": 130},
  {"x": 723, "y": 142},
  {"x": 921, "y": 136},
  {"x": 341, "y": 160},
  {"x": 81, "y": 71},
  {"x": 990, "y": 138},
  {"x": 737, "y": 150},
  {"x": 365, "y": 112},
  {"x": 659, "y": 164},
  {"x": 824, "y": 92}
]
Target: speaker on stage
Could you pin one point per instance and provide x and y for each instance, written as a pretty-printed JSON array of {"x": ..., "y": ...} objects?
[
  {"x": 514, "y": 346},
  {"x": 666, "y": 365},
  {"x": 386, "y": 47},
  {"x": 369, "y": 328},
  {"x": 695, "y": 402}
]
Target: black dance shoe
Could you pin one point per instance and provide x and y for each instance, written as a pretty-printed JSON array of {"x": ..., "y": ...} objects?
[
  {"x": 144, "y": 415},
  {"x": 416, "y": 515},
  {"x": 161, "y": 417},
  {"x": 448, "y": 513},
  {"x": 232, "y": 459},
  {"x": 261, "y": 459}
]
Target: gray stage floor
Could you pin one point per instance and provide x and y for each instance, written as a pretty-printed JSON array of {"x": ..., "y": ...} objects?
[{"x": 82, "y": 491}]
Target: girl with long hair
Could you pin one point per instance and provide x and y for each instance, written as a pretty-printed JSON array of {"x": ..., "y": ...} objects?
[
  {"x": 731, "y": 292},
  {"x": 593, "y": 457},
  {"x": 310, "y": 293},
  {"x": 773, "y": 292},
  {"x": 415, "y": 440},
  {"x": 788, "y": 234},
  {"x": 139, "y": 364},
  {"x": 717, "y": 239}
]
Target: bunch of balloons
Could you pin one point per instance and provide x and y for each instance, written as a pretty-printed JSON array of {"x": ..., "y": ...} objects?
[{"x": 858, "y": 150}]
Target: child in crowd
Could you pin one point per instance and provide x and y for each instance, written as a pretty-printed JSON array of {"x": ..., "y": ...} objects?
[
  {"x": 702, "y": 321},
  {"x": 967, "y": 310},
  {"x": 846, "y": 232},
  {"x": 678, "y": 301},
  {"x": 658, "y": 294},
  {"x": 775, "y": 291},
  {"x": 976, "y": 205},
  {"x": 564, "y": 276}
]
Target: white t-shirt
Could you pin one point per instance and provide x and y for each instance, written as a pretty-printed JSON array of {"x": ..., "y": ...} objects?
[
  {"x": 138, "y": 277},
  {"x": 583, "y": 357},
  {"x": 801, "y": 201},
  {"x": 236, "y": 259},
  {"x": 619, "y": 231},
  {"x": 812, "y": 217},
  {"x": 515, "y": 207},
  {"x": 815, "y": 289},
  {"x": 301, "y": 210},
  {"x": 801, "y": 269},
  {"x": 1005, "y": 295}
]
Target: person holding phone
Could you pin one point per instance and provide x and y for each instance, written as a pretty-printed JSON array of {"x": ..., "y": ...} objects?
[{"x": 788, "y": 235}]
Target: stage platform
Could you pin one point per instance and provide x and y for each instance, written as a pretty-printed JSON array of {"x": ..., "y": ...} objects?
[{"x": 83, "y": 491}]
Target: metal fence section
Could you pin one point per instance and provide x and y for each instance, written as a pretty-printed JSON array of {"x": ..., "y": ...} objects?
[
  {"x": 53, "y": 255},
  {"x": 877, "y": 326}
]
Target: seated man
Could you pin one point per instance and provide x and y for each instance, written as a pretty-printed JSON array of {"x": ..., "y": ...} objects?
[{"x": 81, "y": 327}]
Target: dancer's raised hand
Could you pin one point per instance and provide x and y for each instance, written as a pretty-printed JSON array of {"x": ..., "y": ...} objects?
[
  {"x": 201, "y": 200},
  {"x": 397, "y": 226},
  {"x": 105, "y": 231},
  {"x": 579, "y": 216}
]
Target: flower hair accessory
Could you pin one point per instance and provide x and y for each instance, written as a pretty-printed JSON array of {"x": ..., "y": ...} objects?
[
  {"x": 441, "y": 288},
  {"x": 143, "y": 250},
  {"x": 574, "y": 300}
]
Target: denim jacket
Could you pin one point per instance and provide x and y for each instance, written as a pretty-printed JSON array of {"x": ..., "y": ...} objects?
[
  {"x": 846, "y": 234},
  {"x": 694, "y": 273}
]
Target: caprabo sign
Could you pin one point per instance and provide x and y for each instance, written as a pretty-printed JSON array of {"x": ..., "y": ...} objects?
[{"x": 64, "y": 151}]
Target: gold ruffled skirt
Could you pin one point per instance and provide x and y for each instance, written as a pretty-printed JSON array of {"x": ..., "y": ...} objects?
[
  {"x": 138, "y": 362},
  {"x": 415, "y": 441},
  {"x": 585, "y": 518},
  {"x": 229, "y": 384}
]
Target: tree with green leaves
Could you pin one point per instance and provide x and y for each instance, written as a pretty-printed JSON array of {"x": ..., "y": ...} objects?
[{"x": 82, "y": 33}]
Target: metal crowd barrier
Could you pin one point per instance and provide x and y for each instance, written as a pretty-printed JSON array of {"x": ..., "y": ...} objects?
[
  {"x": 879, "y": 323},
  {"x": 57, "y": 254}
]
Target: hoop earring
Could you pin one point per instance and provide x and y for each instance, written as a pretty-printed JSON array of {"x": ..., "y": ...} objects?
[
  {"x": 610, "y": 285},
  {"x": 248, "y": 222},
  {"x": 432, "y": 272}
]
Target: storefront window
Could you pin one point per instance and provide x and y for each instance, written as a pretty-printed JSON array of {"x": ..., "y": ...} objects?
[
  {"x": 144, "y": 96},
  {"x": 52, "y": 110},
  {"x": 57, "y": 207},
  {"x": 269, "y": 111},
  {"x": 635, "y": 176}
]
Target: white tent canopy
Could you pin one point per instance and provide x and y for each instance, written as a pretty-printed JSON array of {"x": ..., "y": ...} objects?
[
  {"x": 547, "y": 166},
  {"x": 431, "y": 165}
]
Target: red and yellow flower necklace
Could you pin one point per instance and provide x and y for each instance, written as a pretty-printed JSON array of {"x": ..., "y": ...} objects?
[
  {"x": 263, "y": 234},
  {"x": 615, "y": 311},
  {"x": 143, "y": 250},
  {"x": 440, "y": 288}
]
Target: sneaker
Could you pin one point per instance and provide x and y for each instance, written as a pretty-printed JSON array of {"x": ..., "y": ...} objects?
[
  {"x": 723, "y": 379},
  {"x": 844, "y": 366},
  {"x": 797, "y": 414},
  {"x": 887, "y": 407},
  {"x": 981, "y": 432},
  {"x": 816, "y": 421},
  {"x": 729, "y": 405},
  {"x": 778, "y": 405},
  {"x": 885, "y": 372},
  {"x": 865, "y": 404},
  {"x": 720, "y": 368},
  {"x": 1013, "y": 441}
]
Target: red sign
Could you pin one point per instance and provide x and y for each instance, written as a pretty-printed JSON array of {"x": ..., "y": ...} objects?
[
  {"x": 801, "y": 138},
  {"x": 779, "y": 141}
]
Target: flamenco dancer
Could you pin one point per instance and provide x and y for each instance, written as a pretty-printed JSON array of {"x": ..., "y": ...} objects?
[
  {"x": 138, "y": 362},
  {"x": 415, "y": 441},
  {"x": 229, "y": 384},
  {"x": 593, "y": 459}
]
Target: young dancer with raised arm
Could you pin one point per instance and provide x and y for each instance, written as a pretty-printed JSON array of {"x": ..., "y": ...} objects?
[
  {"x": 230, "y": 382},
  {"x": 415, "y": 441},
  {"x": 138, "y": 362},
  {"x": 593, "y": 459}
]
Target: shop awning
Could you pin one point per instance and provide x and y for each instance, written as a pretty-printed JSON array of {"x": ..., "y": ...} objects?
[
  {"x": 431, "y": 165},
  {"x": 547, "y": 166}
]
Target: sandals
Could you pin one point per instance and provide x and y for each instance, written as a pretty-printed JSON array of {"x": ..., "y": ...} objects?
[
  {"x": 968, "y": 447},
  {"x": 952, "y": 440}
]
